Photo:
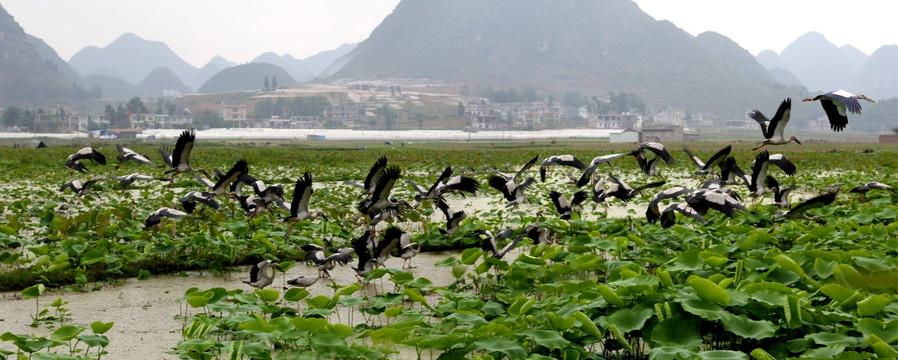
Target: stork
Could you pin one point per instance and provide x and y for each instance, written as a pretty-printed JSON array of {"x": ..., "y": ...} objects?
[
  {"x": 704, "y": 199},
  {"x": 299, "y": 207},
  {"x": 261, "y": 274},
  {"x": 408, "y": 250},
  {"x": 649, "y": 167},
  {"x": 180, "y": 161},
  {"x": 73, "y": 162},
  {"x": 837, "y": 104},
  {"x": 125, "y": 154},
  {"x": 566, "y": 208},
  {"x": 729, "y": 172},
  {"x": 511, "y": 189},
  {"x": 373, "y": 176},
  {"x": 780, "y": 193},
  {"x": 759, "y": 169},
  {"x": 380, "y": 205},
  {"x": 624, "y": 192},
  {"x": 772, "y": 129},
  {"x": 78, "y": 188},
  {"x": 653, "y": 212},
  {"x": 669, "y": 217},
  {"x": 706, "y": 167},
  {"x": 594, "y": 164},
  {"x": 360, "y": 247},
  {"x": 127, "y": 180},
  {"x": 325, "y": 263},
  {"x": 188, "y": 202},
  {"x": 798, "y": 211},
  {"x": 453, "y": 219},
  {"x": 490, "y": 245},
  {"x": 445, "y": 184},
  {"x": 564, "y": 160},
  {"x": 156, "y": 217},
  {"x": 869, "y": 186}
]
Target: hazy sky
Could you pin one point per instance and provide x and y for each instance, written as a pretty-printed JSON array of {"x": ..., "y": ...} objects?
[{"x": 240, "y": 30}]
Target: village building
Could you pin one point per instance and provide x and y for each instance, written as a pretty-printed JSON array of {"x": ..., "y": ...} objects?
[{"x": 233, "y": 114}]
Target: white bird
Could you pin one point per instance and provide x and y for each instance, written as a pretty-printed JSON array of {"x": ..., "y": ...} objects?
[
  {"x": 868, "y": 186},
  {"x": 704, "y": 199},
  {"x": 780, "y": 193},
  {"x": 837, "y": 104},
  {"x": 380, "y": 205},
  {"x": 156, "y": 217},
  {"x": 180, "y": 161},
  {"x": 78, "y": 188},
  {"x": 594, "y": 164},
  {"x": 759, "y": 169},
  {"x": 299, "y": 207},
  {"x": 303, "y": 281},
  {"x": 408, "y": 250},
  {"x": 125, "y": 154},
  {"x": 653, "y": 212},
  {"x": 649, "y": 167},
  {"x": 490, "y": 245},
  {"x": 511, "y": 189},
  {"x": 624, "y": 192},
  {"x": 445, "y": 184},
  {"x": 772, "y": 129},
  {"x": 566, "y": 208},
  {"x": 669, "y": 217},
  {"x": 223, "y": 185},
  {"x": 188, "y": 201},
  {"x": 564, "y": 160},
  {"x": 127, "y": 180},
  {"x": 73, "y": 162},
  {"x": 261, "y": 274},
  {"x": 705, "y": 168},
  {"x": 798, "y": 211},
  {"x": 453, "y": 219},
  {"x": 325, "y": 263}
]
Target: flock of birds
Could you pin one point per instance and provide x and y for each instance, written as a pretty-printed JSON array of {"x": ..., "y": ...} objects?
[{"x": 377, "y": 204}]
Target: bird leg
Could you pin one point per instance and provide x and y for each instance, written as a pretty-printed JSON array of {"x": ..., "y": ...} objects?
[
  {"x": 759, "y": 146},
  {"x": 287, "y": 234},
  {"x": 773, "y": 228}
]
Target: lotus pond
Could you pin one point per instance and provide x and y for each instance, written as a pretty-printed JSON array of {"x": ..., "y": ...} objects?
[{"x": 614, "y": 287}]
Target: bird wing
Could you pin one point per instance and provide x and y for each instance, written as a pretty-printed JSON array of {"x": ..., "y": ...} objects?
[
  {"x": 835, "y": 112},
  {"x": 579, "y": 197},
  {"x": 762, "y": 120},
  {"x": 695, "y": 159},
  {"x": 717, "y": 157},
  {"x": 499, "y": 183},
  {"x": 443, "y": 177},
  {"x": 650, "y": 185},
  {"x": 783, "y": 163},
  {"x": 669, "y": 194},
  {"x": 526, "y": 167},
  {"x": 759, "y": 170},
  {"x": 462, "y": 183},
  {"x": 815, "y": 202},
  {"x": 374, "y": 174},
  {"x": 223, "y": 183},
  {"x": 659, "y": 150},
  {"x": 560, "y": 201},
  {"x": 166, "y": 156},
  {"x": 388, "y": 243},
  {"x": 849, "y": 101},
  {"x": 141, "y": 159},
  {"x": 302, "y": 191},
  {"x": 385, "y": 183},
  {"x": 254, "y": 274},
  {"x": 340, "y": 258},
  {"x": 417, "y": 188},
  {"x": 780, "y": 119},
  {"x": 181, "y": 155},
  {"x": 444, "y": 207}
]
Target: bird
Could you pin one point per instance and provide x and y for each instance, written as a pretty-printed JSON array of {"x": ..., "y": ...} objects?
[
  {"x": 772, "y": 129},
  {"x": 798, "y": 211},
  {"x": 445, "y": 184},
  {"x": 669, "y": 218},
  {"x": 380, "y": 165},
  {"x": 508, "y": 185},
  {"x": 780, "y": 193},
  {"x": 156, "y": 217},
  {"x": 704, "y": 199},
  {"x": 453, "y": 219},
  {"x": 705, "y": 168},
  {"x": 380, "y": 205},
  {"x": 759, "y": 169},
  {"x": 594, "y": 164},
  {"x": 73, "y": 162},
  {"x": 649, "y": 167},
  {"x": 490, "y": 245},
  {"x": 261, "y": 274},
  {"x": 166, "y": 155},
  {"x": 538, "y": 234},
  {"x": 223, "y": 185},
  {"x": 729, "y": 172},
  {"x": 408, "y": 250},
  {"x": 188, "y": 201},
  {"x": 180, "y": 161},
  {"x": 837, "y": 104},
  {"x": 362, "y": 250},
  {"x": 264, "y": 197},
  {"x": 624, "y": 192},
  {"x": 564, "y": 160},
  {"x": 390, "y": 242},
  {"x": 325, "y": 263},
  {"x": 129, "y": 179},
  {"x": 125, "y": 154},
  {"x": 653, "y": 212},
  {"x": 299, "y": 207},
  {"x": 303, "y": 281},
  {"x": 564, "y": 207},
  {"x": 78, "y": 188},
  {"x": 862, "y": 189}
]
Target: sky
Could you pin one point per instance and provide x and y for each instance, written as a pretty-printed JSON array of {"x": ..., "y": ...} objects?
[{"x": 240, "y": 30}]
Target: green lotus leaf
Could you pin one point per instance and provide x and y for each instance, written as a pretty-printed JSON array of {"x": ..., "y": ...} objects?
[
  {"x": 547, "y": 338},
  {"x": 745, "y": 327},
  {"x": 510, "y": 348}
]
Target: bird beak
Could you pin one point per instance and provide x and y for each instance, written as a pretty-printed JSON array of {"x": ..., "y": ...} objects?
[{"x": 797, "y": 142}]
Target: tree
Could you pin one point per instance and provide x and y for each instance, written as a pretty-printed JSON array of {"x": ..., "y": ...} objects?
[
  {"x": 11, "y": 116},
  {"x": 136, "y": 106},
  {"x": 274, "y": 82},
  {"x": 465, "y": 90},
  {"x": 267, "y": 85},
  {"x": 895, "y": 129},
  {"x": 461, "y": 110}
]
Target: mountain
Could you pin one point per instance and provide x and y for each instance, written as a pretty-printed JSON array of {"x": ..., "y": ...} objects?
[
  {"x": 590, "y": 45},
  {"x": 735, "y": 57},
  {"x": 879, "y": 78},
  {"x": 287, "y": 62},
  {"x": 785, "y": 77},
  {"x": 211, "y": 68},
  {"x": 131, "y": 58},
  {"x": 316, "y": 64},
  {"x": 161, "y": 80},
  {"x": 53, "y": 60},
  {"x": 817, "y": 63},
  {"x": 26, "y": 78},
  {"x": 114, "y": 87},
  {"x": 246, "y": 77}
]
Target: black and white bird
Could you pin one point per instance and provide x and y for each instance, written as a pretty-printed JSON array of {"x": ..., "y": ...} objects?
[
  {"x": 129, "y": 179},
  {"x": 73, "y": 162},
  {"x": 156, "y": 217},
  {"x": 188, "y": 201},
  {"x": 863, "y": 189},
  {"x": 180, "y": 161},
  {"x": 730, "y": 171},
  {"x": 760, "y": 167},
  {"x": 125, "y": 154},
  {"x": 78, "y": 188},
  {"x": 650, "y": 167},
  {"x": 453, "y": 219},
  {"x": 408, "y": 250},
  {"x": 387, "y": 245},
  {"x": 837, "y": 104},
  {"x": 261, "y": 274},
  {"x": 772, "y": 129},
  {"x": 798, "y": 211},
  {"x": 624, "y": 192},
  {"x": 325, "y": 263},
  {"x": 594, "y": 164},
  {"x": 223, "y": 185},
  {"x": 705, "y": 168},
  {"x": 445, "y": 183},
  {"x": 373, "y": 176},
  {"x": 265, "y": 196},
  {"x": 669, "y": 218},
  {"x": 563, "y": 160},
  {"x": 363, "y": 251},
  {"x": 510, "y": 186},
  {"x": 704, "y": 199},
  {"x": 299, "y": 207},
  {"x": 653, "y": 211},
  {"x": 780, "y": 192},
  {"x": 566, "y": 208},
  {"x": 490, "y": 244},
  {"x": 380, "y": 205},
  {"x": 303, "y": 281}
]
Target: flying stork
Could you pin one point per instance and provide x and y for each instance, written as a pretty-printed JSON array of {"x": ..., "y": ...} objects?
[
  {"x": 78, "y": 188},
  {"x": 653, "y": 212},
  {"x": 490, "y": 245},
  {"x": 759, "y": 169},
  {"x": 156, "y": 217},
  {"x": 772, "y": 129},
  {"x": 261, "y": 274},
  {"x": 445, "y": 183},
  {"x": 797, "y": 211},
  {"x": 706, "y": 167},
  {"x": 73, "y": 162},
  {"x": 669, "y": 217},
  {"x": 649, "y": 167},
  {"x": 567, "y": 208},
  {"x": 180, "y": 161},
  {"x": 380, "y": 205},
  {"x": 511, "y": 189},
  {"x": 125, "y": 154},
  {"x": 837, "y": 104},
  {"x": 594, "y": 164},
  {"x": 453, "y": 219},
  {"x": 564, "y": 160},
  {"x": 868, "y": 186},
  {"x": 373, "y": 175},
  {"x": 299, "y": 207}
]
